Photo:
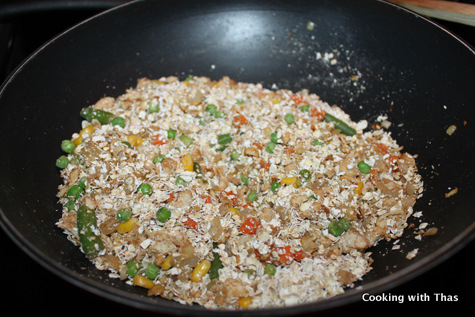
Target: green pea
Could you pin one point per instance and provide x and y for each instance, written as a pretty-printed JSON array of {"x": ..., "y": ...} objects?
[
  {"x": 74, "y": 192},
  {"x": 289, "y": 118},
  {"x": 363, "y": 167},
  {"x": 133, "y": 268},
  {"x": 62, "y": 161},
  {"x": 171, "y": 134},
  {"x": 68, "y": 146},
  {"x": 163, "y": 214},
  {"x": 305, "y": 108},
  {"x": 252, "y": 196},
  {"x": 274, "y": 186},
  {"x": 158, "y": 159},
  {"x": 270, "y": 269},
  {"x": 270, "y": 147},
  {"x": 305, "y": 174},
  {"x": 118, "y": 121},
  {"x": 151, "y": 272},
  {"x": 123, "y": 214},
  {"x": 145, "y": 189}
]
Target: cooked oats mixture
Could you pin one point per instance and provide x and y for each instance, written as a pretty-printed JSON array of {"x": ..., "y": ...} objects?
[{"x": 231, "y": 195}]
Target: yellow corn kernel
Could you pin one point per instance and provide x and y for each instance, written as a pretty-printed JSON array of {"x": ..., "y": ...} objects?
[
  {"x": 142, "y": 281},
  {"x": 187, "y": 162},
  {"x": 234, "y": 211},
  {"x": 275, "y": 101},
  {"x": 200, "y": 271},
  {"x": 289, "y": 180},
  {"x": 126, "y": 226},
  {"x": 134, "y": 140},
  {"x": 167, "y": 264},
  {"x": 87, "y": 131},
  {"x": 245, "y": 302},
  {"x": 78, "y": 140},
  {"x": 358, "y": 188}
]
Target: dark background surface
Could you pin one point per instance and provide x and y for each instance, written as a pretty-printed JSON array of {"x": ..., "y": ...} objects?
[{"x": 32, "y": 289}]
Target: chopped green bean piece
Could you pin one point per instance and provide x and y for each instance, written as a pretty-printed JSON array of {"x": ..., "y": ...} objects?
[
  {"x": 224, "y": 138},
  {"x": 70, "y": 205},
  {"x": 83, "y": 182},
  {"x": 337, "y": 227},
  {"x": 89, "y": 113},
  {"x": 186, "y": 140},
  {"x": 364, "y": 167},
  {"x": 153, "y": 108},
  {"x": 249, "y": 272},
  {"x": 270, "y": 147},
  {"x": 212, "y": 109},
  {"x": 158, "y": 159},
  {"x": 244, "y": 180},
  {"x": 340, "y": 125},
  {"x": 74, "y": 192},
  {"x": 317, "y": 142},
  {"x": 305, "y": 174},
  {"x": 128, "y": 144},
  {"x": 235, "y": 155},
  {"x": 252, "y": 196},
  {"x": 197, "y": 168},
  {"x": 87, "y": 226},
  {"x": 216, "y": 264},
  {"x": 274, "y": 138},
  {"x": 181, "y": 181}
]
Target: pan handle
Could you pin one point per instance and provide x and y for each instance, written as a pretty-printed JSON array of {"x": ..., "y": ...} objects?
[
  {"x": 11, "y": 9},
  {"x": 445, "y": 10}
]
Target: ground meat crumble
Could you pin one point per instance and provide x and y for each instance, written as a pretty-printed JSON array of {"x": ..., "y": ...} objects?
[{"x": 238, "y": 196}]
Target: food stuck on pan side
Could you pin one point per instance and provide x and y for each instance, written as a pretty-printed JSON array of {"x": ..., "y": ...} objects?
[{"x": 231, "y": 195}]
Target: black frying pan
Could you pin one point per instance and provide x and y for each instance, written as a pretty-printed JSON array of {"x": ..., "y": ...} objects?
[{"x": 418, "y": 74}]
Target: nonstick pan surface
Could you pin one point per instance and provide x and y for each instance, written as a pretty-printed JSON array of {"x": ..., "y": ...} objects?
[{"x": 407, "y": 68}]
